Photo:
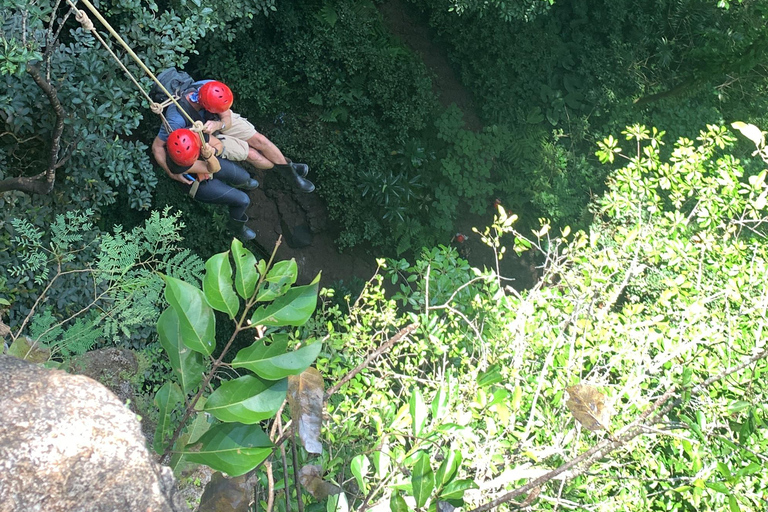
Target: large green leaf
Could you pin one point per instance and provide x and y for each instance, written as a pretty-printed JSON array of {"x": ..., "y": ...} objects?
[
  {"x": 246, "y": 274},
  {"x": 247, "y": 399},
  {"x": 293, "y": 308},
  {"x": 279, "y": 278},
  {"x": 422, "y": 479},
  {"x": 455, "y": 490},
  {"x": 273, "y": 362},
  {"x": 232, "y": 448},
  {"x": 187, "y": 364},
  {"x": 197, "y": 323},
  {"x": 217, "y": 285},
  {"x": 166, "y": 400},
  {"x": 397, "y": 503}
]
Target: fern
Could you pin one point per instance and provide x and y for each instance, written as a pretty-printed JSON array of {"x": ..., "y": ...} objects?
[
  {"x": 328, "y": 15},
  {"x": 105, "y": 292}
]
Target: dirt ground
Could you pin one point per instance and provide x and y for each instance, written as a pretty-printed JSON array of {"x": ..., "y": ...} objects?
[{"x": 277, "y": 210}]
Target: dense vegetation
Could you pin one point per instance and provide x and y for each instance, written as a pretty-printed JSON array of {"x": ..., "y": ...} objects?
[{"x": 651, "y": 247}]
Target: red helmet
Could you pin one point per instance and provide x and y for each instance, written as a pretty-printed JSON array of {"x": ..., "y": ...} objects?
[
  {"x": 183, "y": 146},
  {"x": 215, "y": 97}
]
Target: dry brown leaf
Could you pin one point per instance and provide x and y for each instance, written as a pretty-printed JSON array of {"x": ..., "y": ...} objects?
[
  {"x": 311, "y": 477},
  {"x": 305, "y": 398},
  {"x": 587, "y": 405},
  {"x": 223, "y": 494}
]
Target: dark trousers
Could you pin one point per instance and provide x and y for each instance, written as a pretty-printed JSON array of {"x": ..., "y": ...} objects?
[{"x": 219, "y": 190}]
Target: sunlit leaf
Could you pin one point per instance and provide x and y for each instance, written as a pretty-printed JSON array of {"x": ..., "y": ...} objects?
[
  {"x": 232, "y": 448},
  {"x": 440, "y": 403},
  {"x": 448, "y": 467},
  {"x": 381, "y": 460},
  {"x": 305, "y": 398},
  {"x": 246, "y": 273},
  {"x": 273, "y": 362},
  {"x": 455, "y": 490},
  {"x": 751, "y": 132},
  {"x": 587, "y": 405},
  {"x": 418, "y": 411},
  {"x": 311, "y": 478},
  {"x": 217, "y": 285},
  {"x": 359, "y": 468},
  {"x": 293, "y": 308},
  {"x": 397, "y": 503},
  {"x": 197, "y": 323},
  {"x": 187, "y": 365},
  {"x": 247, "y": 399},
  {"x": 279, "y": 278},
  {"x": 337, "y": 503}
]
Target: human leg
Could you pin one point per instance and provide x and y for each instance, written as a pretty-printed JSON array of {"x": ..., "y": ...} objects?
[
  {"x": 216, "y": 191},
  {"x": 235, "y": 176},
  {"x": 266, "y": 155}
]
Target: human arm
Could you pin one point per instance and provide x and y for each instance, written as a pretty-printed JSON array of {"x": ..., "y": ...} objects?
[
  {"x": 225, "y": 120},
  {"x": 160, "y": 154}
]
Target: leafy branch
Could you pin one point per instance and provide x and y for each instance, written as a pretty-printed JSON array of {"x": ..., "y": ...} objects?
[{"x": 664, "y": 404}]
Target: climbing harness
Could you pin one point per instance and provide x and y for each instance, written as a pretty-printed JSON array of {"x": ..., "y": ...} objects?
[{"x": 81, "y": 16}]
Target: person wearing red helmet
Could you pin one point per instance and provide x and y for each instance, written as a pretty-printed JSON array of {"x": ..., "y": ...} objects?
[
  {"x": 210, "y": 101},
  {"x": 182, "y": 158}
]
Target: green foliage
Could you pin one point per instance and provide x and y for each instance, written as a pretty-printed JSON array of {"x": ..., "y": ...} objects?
[
  {"x": 236, "y": 444},
  {"x": 523, "y": 10},
  {"x": 330, "y": 86},
  {"x": 69, "y": 290},
  {"x": 665, "y": 289}
]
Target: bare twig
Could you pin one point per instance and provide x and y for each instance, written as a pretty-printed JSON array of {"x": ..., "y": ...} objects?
[
  {"x": 402, "y": 333},
  {"x": 296, "y": 472},
  {"x": 285, "y": 465},
  {"x": 270, "y": 484}
]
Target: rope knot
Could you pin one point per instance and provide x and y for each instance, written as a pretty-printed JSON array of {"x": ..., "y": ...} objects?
[
  {"x": 157, "y": 108},
  {"x": 84, "y": 20},
  {"x": 197, "y": 126}
]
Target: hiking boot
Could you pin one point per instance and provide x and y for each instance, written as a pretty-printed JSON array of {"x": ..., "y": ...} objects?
[
  {"x": 251, "y": 184},
  {"x": 291, "y": 171},
  {"x": 301, "y": 169},
  {"x": 240, "y": 230}
]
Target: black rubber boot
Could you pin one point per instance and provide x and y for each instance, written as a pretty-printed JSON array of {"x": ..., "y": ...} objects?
[
  {"x": 240, "y": 230},
  {"x": 302, "y": 169},
  {"x": 251, "y": 184},
  {"x": 291, "y": 171}
]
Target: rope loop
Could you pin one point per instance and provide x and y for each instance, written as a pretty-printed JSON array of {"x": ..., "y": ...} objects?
[
  {"x": 84, "y": 20},
  {"x": 197, "y": 126}
]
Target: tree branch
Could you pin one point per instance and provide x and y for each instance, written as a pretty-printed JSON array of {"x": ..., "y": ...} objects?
[
  {"x": 41, "y": 183},
  {"x": 402, "y": 333}
]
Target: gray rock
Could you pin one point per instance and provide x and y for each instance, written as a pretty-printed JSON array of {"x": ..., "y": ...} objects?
[{"x": 68, "y": 444}]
